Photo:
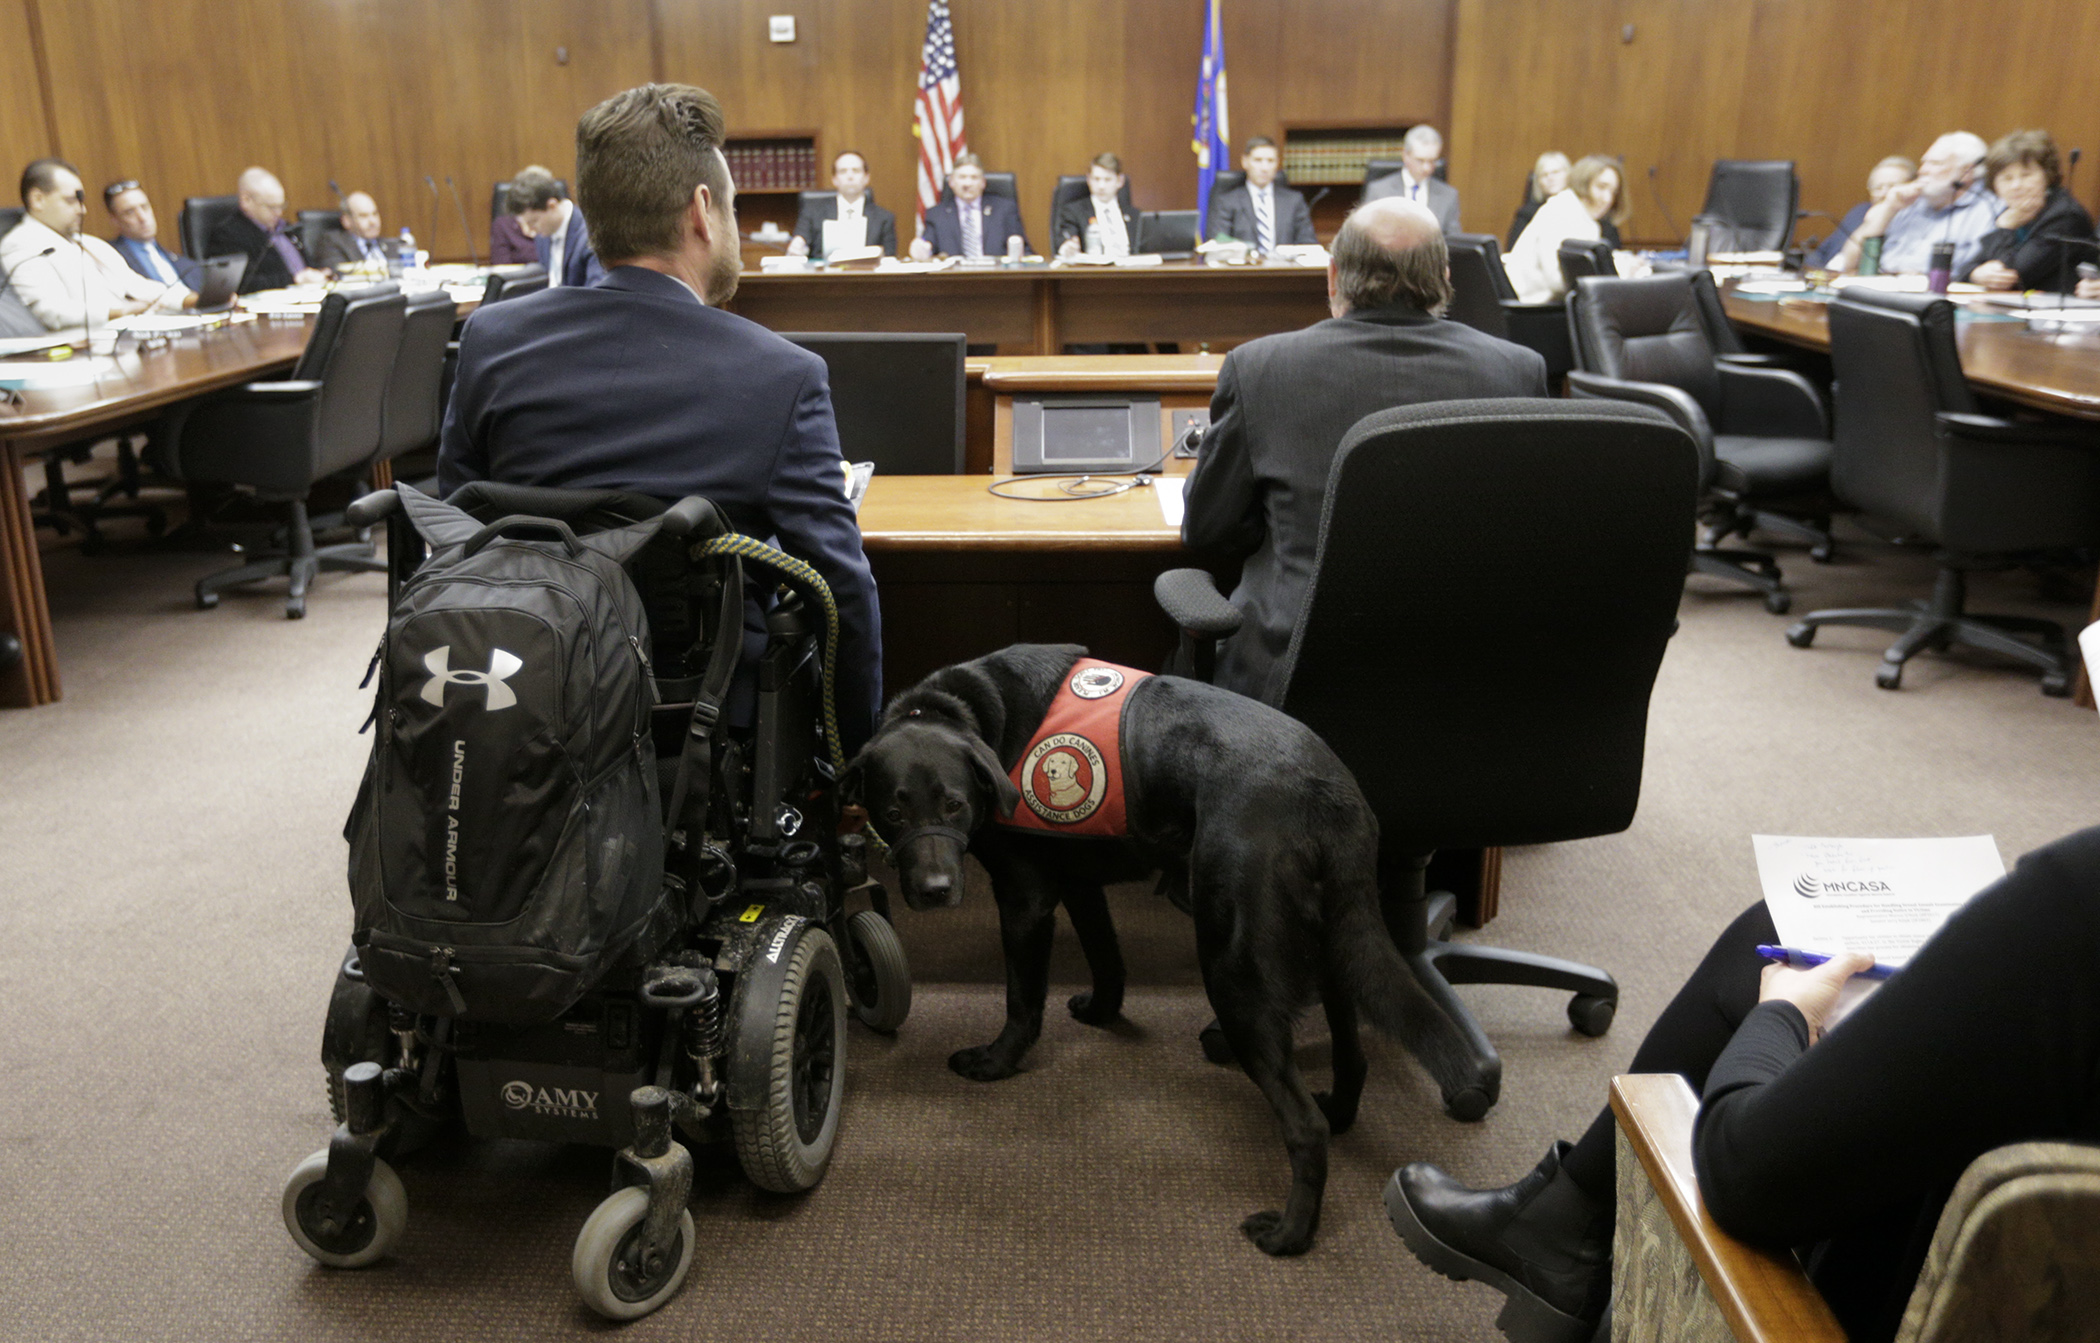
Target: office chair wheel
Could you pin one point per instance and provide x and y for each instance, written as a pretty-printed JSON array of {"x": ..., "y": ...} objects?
[
  {"x": 1801, "y": 635},
  {"x": 1779, "y": 603},
  {"x": 1469, "y": 1105},
  {"x": 1822, "y": 554},
  {"x": 380, "y": 1218},
  {"x": 878, "y": 974},
  {"x": 1590, "y": 1014},
  {"x": 1889, "y": 676},
  {"x": 607, "y": 1267},
  {"x": 207, "y": 600},
  {"x": 2057, "y": 685}
]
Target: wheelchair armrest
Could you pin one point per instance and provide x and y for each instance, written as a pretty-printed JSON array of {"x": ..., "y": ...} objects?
[
  {"x": 1191, "y": 599},
  {"x": 694, "y": 516},
  {"x": 367, "y": 510},
  {"x": 1769, "y": 402},
  {"x": 2019, "y": 433}
]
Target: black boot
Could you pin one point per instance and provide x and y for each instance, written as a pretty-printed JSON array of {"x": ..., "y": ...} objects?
[{"x": 1541, "y": 1242}]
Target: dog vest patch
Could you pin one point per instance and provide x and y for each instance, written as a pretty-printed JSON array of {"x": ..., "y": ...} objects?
[{"x": 1071, "y": 775}]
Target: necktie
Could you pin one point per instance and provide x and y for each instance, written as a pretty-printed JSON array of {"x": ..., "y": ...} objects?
[
  {"x": 1115, "y": 236},
  {"x": 1264, "y": 226},
  {"x": 972, "y": 227}
]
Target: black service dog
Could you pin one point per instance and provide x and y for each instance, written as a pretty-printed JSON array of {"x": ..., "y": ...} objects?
[{"x": 1264, "y": 829}]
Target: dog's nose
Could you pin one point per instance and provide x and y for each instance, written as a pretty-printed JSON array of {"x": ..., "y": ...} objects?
[{"x": 936, "y": 883}]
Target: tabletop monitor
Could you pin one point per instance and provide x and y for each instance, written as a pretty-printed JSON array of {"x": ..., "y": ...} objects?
[
  {"x": 1172, "y": 232},
  {"x": 220, "y": 282},
  {"x": 1102, "y": 434},
  {"x": 898, "y": 398}
]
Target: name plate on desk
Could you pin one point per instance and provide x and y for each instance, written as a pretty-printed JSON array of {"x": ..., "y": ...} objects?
[{"x": 1065, "y": 434}]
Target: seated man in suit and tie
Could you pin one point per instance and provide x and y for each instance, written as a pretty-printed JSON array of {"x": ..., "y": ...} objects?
[
  {"x": 1096, "y": 222},
  {"x": 1284, "y": 402},
  {"x": 641, "y": 382},
  {"x": 969, "y": 223},
  {"x": 855, "y": 219},
  {"x": 1263, "y": 212},
  {"x": 540, "y": 200},
  {"x": 357, "y": 242},
  {"x": 138, "y": 238},
  {"x": 257, "y": 231},
  {"x": 65, "y": 277},
  {"x": 1417, "y": 180}
]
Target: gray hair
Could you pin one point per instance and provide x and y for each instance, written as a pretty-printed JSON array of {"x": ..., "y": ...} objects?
[
  {"x": 1423, "y": 141},
  {"x": 1967, "y": 144},
  {"x": 1368, "y": 275}
]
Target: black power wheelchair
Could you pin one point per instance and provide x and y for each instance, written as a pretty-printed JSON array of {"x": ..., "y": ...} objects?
[{"x": 731, "y": 1027}]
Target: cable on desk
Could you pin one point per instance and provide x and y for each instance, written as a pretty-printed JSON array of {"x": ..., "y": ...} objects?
[{"x": 1073, "y": 488}]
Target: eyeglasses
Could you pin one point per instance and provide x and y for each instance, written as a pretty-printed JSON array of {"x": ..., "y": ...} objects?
[
  {"x": 116, "y": 189},
  {"x": 78, "y": 197}
]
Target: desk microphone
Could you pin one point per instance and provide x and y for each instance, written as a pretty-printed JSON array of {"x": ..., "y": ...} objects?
[
  {"x": 431, "y": 182},
  {"x": 1664, "y": 210},
  {"x": 465, "y": 227},
  {"x": 340, "y": 199}
]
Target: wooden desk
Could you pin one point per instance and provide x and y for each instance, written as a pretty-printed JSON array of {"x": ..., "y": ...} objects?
[{"x": 1041, "y": 309}]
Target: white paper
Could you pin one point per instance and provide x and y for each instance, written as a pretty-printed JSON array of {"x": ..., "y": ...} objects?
[
  {"x": 845, "y": 235},
  {"x": 1168, "y": 491},
  {"x": 1880, "y": 896}
]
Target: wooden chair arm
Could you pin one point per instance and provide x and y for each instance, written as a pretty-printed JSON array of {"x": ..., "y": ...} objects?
[{"x": 1761, "y": 1295}]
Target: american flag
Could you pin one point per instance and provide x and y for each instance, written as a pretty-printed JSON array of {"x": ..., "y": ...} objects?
[{"x": 937, "y": 114}]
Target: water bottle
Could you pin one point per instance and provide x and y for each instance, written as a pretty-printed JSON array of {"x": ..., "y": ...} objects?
[
  {"x": 1870, "y": 257},
  {"x": 408, "y": 254}
]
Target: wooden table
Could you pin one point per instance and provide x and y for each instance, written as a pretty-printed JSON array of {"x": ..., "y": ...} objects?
[{"x": 1041, "y": 309}]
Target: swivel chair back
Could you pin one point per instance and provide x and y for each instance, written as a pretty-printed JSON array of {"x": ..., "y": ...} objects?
[
  {"x": 1579, "y": 259},
  {"x": 513, "y": 284},
  {"x": 9, "y": 217},
  {"x": 1070, "y": 188},
  {"x": 200, "y": 215},
  {"x": 995, "y": 184},
  {"x": 1483, "y": 298},
  {"x": 310, "y": 225},
  {"x": 1914, "y": 452},
  {"x": 411, "y": 418},
  {"x": 1754, "y": 201}
]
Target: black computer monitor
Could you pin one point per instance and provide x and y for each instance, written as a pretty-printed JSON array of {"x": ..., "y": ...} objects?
[
  {"x": 1167, "y": 231},
  {"x": 898, "y": 397}
]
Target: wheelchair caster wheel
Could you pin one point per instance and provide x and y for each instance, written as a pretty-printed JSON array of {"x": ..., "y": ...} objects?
[
  {"x": 1779, "y": 603},
  {"x": 1889, "y": 676},
  {"x": 1591, "y": 1015},
  {"x": 207, "y": 600},
  {"x": 1821, "y": 554},
  {"x": 879, "y": 976},
  {"x": 377, "y": 1222},
  {"x": 2056, "y": 685},
  {"x": 1469, "y": 1105},
  {"x": 607, "y": 1264},
  {"x": 1801, "y": 635}
]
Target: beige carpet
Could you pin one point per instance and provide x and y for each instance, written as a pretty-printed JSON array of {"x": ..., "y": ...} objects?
[{"x": 174, "y": 904}]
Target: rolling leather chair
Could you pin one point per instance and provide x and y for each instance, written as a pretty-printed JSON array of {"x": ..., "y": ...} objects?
[
  {"x": 1753, "y": 201},
  {"x": 276, "y": 439},
  {"x": 1484, "y": 299},
  {"x": 1579, "y": 259},
  {"x": 413, "y": 414},
  {"x": 200, "y": 215},
  {"x": 1913, "y": 451},
  {"x": 1070, "y": 188},
  {"x": 9, "y": 217},
  {"x": 515, "y": 284},
  {"x": 1761, "y": 431},
  {"x": 499, "y": 201},
  {"x": 310, "y": 225},
  {"x": 995, "y": 184},
  {"x": 1463, "y": 733}
]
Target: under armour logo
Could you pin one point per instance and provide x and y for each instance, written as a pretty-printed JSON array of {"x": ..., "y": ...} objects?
[{"x": 502, "y": 666}]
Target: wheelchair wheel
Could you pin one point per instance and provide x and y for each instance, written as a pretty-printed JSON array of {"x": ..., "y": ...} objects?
[
  {"x": 879, "y": 976},
  {"x": 785, "y": 1143},
  {"x": 380, "y": 1218},
  {"x": 605, "y": 1265}
]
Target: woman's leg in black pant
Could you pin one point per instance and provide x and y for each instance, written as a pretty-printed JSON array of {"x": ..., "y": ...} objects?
[{"x": 1686, "y": 1038}]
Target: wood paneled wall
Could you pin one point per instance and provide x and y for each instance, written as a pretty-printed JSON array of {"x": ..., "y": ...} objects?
[{"x": 1832, "y": 84}]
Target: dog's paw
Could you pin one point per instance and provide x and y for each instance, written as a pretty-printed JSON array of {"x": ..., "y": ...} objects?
[
  {"x": 1270, "y": 1236},
  {"x": 981, "y": 1063},
  {"x": 1084, "y": 1008},
  {"x": 1340, "y": 1119},
  {"x": 1216, "y": 1047}
]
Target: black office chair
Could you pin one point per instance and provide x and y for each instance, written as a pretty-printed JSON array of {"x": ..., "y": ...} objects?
[
  {"x": 200, "y": 215},
  {"x": 898, "y": 397},
  {"x": 499, "y": 201},
  {"x": 1913, "y": 451},
  {"x": 411, "y": 420},
  {"x": 516, "y": 283},
  {"x": 1469, "y": 675},
  {"x": 995, "y": 184},
  {"x": 311, "y": 224},
  {"x": 1752, "y": 203},
  {"x": 1761, "y": 431},
  {"x": 1579, "y": 258},
  {"x": 9, "y": 217},
  {"x": 277, "y": 439},
  {"x": 1070, "y": 188},
  {"x": 1484, "y": 299}
]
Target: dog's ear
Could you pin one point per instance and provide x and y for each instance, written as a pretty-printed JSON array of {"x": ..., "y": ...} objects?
[{"x": 993, "y": 775}]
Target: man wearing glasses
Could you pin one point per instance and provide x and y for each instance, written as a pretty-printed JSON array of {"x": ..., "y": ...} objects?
[
  {"x": 64, "y": 277},
  {"x": 138, "y": 237}
]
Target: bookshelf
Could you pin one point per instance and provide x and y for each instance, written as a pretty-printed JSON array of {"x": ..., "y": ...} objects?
[
  {"x": 1333, "y": 154},
  {"x": 769, "y": 167}
]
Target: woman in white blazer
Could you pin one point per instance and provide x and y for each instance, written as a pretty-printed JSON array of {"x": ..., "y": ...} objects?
[{"x": 1596, "y": 191}]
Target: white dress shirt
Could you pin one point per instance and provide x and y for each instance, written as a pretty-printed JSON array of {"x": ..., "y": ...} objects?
[
  {"x": 79, "y": 282},
  {"x": 1111, "y": 232}
]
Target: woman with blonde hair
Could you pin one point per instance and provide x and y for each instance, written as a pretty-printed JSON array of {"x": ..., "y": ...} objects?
[
  {"x": 1549, "y": 177},
  {"x": 1596, "y": 193}
]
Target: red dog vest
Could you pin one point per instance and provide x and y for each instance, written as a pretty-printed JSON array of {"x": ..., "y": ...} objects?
[{"x": 1071, "y": 775}]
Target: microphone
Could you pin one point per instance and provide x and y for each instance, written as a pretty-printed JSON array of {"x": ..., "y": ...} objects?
[
  {"x": 431, "y": 246},
  {"x": 340, "y": 199},
  {"x": 465, "y": 227},
  {"x": 1660, "y": 208}
]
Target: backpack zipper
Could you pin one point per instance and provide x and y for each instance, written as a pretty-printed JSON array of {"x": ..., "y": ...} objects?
[{"x": 442, "y": 969}]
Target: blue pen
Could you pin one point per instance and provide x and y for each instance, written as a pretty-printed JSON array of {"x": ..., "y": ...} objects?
[{"x": 1803, "y": 960}]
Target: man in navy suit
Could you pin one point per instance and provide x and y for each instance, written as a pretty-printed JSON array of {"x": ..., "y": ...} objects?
[
  {"x": 541, "y": 202},
  {"x": 138, "y": 238},
  {"x": 969, "y": 223},
  {"x": 641, "y": 382}
]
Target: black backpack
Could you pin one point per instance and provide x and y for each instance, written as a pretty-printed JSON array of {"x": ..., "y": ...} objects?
[{"x": 506, "y": 845}]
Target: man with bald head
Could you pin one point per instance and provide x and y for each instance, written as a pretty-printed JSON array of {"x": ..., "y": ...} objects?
[
  {"x": 1283, "y": 404},
  {"x": 1947, "y": 202},
  {"x": 257, "y": 231},
  {"x": 357, "y": 242}
]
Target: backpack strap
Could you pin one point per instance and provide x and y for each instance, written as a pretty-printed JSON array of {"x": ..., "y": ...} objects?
[{"x": 687, "y": 808}]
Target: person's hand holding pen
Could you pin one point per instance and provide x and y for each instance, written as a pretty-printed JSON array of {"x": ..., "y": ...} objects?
[{"x": 1813, "y": 990}]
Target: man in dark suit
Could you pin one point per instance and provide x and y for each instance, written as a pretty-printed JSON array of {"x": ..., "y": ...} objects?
[
  {"x": 1264, "y": 212},
  {"x": 849, "y": 204},
  {"x": 138, "y": 238},
  {"x": 1283, "y": 404},
  {"x": 643, "y": 383},
  {"x": 357, "y": 242},
  {"x": 969, "y": 223},
  {"x": 1417, "y": 181},
  {"x": 257, "y": 231},
  {"x": 1097, "y": 221},
  {"x": 561, "y": 238}
]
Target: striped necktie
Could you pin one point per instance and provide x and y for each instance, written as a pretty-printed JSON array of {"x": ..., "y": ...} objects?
[
  {"x": 972, "y": 227},
  {"x": 1264, "y": 226}
]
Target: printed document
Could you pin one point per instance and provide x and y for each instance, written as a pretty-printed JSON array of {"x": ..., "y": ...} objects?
[{"x": 1880, "y": 896}]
